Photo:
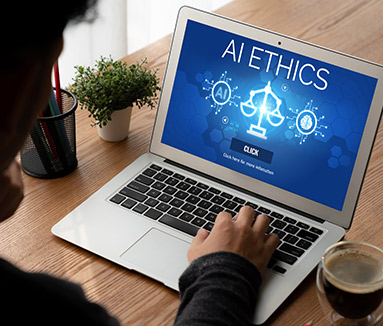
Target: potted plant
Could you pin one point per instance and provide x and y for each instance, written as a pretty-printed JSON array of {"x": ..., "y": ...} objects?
[{"x": 110, "y": 89}]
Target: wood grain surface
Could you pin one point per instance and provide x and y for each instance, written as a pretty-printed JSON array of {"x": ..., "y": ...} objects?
[{"x": 353, "y": 26}]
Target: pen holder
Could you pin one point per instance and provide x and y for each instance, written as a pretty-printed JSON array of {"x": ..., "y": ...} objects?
[{"x": 50, "y": 149}]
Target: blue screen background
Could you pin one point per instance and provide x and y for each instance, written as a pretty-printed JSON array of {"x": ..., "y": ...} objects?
[{"x": 313, "y": 136}]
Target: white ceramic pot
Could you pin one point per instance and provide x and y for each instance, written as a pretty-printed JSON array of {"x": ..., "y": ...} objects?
[{"x": 118, "y": 128}]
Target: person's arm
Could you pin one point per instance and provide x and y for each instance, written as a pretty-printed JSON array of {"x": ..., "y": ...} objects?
[
  {"x": 221, "y": 284},
  {"x": 40, "y": 299}
]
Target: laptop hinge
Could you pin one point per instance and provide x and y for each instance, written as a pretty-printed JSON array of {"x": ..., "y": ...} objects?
[{"x": 248, "y": 192}]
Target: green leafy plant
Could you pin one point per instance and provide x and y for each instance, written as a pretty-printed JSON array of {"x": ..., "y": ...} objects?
[{"x": 113, "y": 85}]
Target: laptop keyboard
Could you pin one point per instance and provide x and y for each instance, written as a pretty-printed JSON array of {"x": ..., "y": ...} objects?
[{"x": 187, "y": 205}]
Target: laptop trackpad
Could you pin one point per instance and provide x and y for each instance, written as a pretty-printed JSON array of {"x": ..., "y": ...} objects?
[{"x": 158, "y": 253}]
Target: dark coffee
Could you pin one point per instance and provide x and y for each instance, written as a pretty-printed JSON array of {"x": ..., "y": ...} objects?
[{"x": 353, "y": 283}]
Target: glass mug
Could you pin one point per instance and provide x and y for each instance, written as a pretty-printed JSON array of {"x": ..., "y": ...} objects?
[{"x": 350, "y": 284}]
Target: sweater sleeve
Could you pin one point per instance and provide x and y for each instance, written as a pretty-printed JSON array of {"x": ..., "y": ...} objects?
[
  {"x": 218, "y": 289},
  {"x": 39, "y": 299}
]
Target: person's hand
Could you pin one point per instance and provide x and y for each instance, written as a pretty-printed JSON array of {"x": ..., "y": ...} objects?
[
  {"x": 11, "y": 190},
  {"x": 242, "y": 236}
]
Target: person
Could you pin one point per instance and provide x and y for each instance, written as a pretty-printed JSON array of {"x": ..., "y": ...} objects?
[{"x": 221, "y": 283}]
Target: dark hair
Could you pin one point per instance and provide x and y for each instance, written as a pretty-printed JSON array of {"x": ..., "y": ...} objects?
[{"x": 33, "y": 22}]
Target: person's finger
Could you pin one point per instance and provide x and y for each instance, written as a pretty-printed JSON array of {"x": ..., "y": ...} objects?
[
  {"x": 200, "y": 237},
  {"x": 261, "y": 224},
  {"x": 246, "y": 216},
  {"x": 222, "y": 216},
  {"x": 271, "y": 243}
]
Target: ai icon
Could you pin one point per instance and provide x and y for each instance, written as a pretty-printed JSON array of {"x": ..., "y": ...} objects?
[{"x": 220, "y": 92}]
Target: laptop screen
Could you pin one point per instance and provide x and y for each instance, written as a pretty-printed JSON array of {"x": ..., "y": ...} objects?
[{"x": 286, "y": 119}]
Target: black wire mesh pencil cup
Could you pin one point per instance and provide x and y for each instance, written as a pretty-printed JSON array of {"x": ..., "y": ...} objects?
[{"x": 50, "y": 149}]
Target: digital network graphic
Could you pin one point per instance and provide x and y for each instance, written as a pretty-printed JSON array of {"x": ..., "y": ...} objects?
[
  {"x": 273, "y": 114},
  {"x": 220, "y": 92},
  {"x": 306, "y": 122}
]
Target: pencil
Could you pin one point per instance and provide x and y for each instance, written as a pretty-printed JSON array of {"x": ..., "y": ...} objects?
[
  {"x": 58, "y": 87},
  {"x": 310, "y": 323}
]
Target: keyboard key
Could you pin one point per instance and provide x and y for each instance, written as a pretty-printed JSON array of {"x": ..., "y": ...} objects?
[
  {"x": 202, "y": 186},
  {"x": 140, "y": 208},
  {"x": 129, "y": 203},
  {"x": 279, "y": 224},
  {"x": 178, "y": 176},
  {"x": 210, "y": 217},
  {"x": 177, "y": 202},
  {"x": 291, "y": 239},
  {"x": 144, "y": 179},
  {"x": 174, "y": 212},
  {"x": 226, "y": 195},
  {"x": 264, "y": 210},
  {"x": 170, "y": 190},
  {"x": 214, "y": 190},
  {"x": 153, "y": 213},
  {"x": 194, "y": 190},
  {"x": 181, "y": 194},
  {"x": 171, "y": 181},
  {"x": 138, "y": 186},
  {"x": 291, "y": 249},
  {"x": 186, "y": 217},
  {"x": 155, "y": 167},
  {"x": 276, "y": 215},
  {"x": 289, "y": 220},
  {"x": 279, "y": 269},
  {"x": 160, "y": 176},
  {"x": 204, "y": 204},
  {"x": 153, "y": 193},
  {"x": 200, "y": 212},
  {"x": 188, "y": 207},
  {"x": 191, "y": 181},
  {"x": 166, "y": 171},
  {"x": 206, "y": 195},
  {"x": 133, "y": 194},
  {"x": 306, "y": 235},
  {"x": 179, "y": 225},
  {"x": 217, "y": 200},
  {"x": 216, "y": 209},
  {"x": 165, "y": 198},
  {"x": 117, "y": 198},
  {"x": 239, "y": 200},
  {"x": 230, "y": 204},
  {"x": 149, "y": 172},
  {"x": 291, "y": 229},
  {"x": 163, "y": 207},
  {"x": 183, "y": 186},
  {"x": 198, "y": 221},
  {"x": 252, "y": 205},
  {"x": 151, "y": 202},
  {"x": 208, "y": 226},
  {"x": 303, "y": 225},
  {"x": 193, "y": 199},
  {"x": 304, "y": 244},
  {"x": 315, "y": 230},
  {"x": 159, "y": 185},
  {"x": 286, "y": 258}
]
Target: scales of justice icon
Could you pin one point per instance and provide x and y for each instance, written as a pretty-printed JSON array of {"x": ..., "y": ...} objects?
[{"x": 274, "y": 116}]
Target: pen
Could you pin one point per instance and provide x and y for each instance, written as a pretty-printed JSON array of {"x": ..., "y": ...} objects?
[{"x": 58, "y": 89}]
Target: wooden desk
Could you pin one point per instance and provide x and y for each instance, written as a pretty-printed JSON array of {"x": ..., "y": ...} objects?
[{"x": 353, "y": 27}]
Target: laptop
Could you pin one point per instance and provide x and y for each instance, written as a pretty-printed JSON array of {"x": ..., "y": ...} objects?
[{"x": 246, "y": 117}]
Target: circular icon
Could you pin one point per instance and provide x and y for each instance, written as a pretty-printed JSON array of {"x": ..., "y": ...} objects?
[
  {"x": 225, "y": 120},
  {"x": 221, "y": 92},
  {"x": 306, "y": 122},
  {"x": 285, "y": 87}
]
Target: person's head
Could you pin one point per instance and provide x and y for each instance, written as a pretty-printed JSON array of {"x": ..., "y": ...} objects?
[{"x": 32, "y": 39}]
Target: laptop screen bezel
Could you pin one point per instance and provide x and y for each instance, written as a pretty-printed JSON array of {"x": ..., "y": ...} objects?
[{"x": 342, "y": 218}]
